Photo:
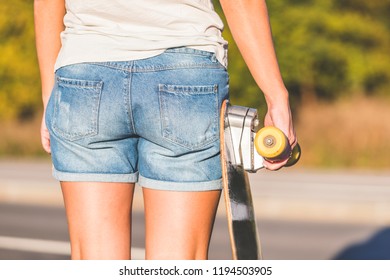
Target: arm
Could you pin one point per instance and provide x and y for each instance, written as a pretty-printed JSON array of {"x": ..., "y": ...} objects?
[
  {"x": 249, "y": 23},
  {"x": 48, "y": 18}
]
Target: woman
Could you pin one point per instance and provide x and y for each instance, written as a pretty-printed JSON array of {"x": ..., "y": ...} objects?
[{"x": 135, "y": 97}]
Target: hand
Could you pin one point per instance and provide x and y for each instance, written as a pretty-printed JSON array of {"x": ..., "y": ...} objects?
[
  {"x": 280, "y": 117},
  {"x": 45, "y": 136}
]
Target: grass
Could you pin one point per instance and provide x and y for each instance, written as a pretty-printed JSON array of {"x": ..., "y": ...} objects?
[{"x": 351, "y": 133}]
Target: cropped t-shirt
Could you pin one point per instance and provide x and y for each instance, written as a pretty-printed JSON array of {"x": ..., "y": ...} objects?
[{"x": 119, "y": 30}]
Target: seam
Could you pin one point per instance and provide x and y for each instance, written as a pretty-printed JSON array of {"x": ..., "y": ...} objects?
[
  {"x": 134, "y": 69},
  {"x": 131, "y": 100}
]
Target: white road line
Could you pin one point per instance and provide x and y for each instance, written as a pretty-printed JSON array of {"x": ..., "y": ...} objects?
[
  {"x": 35, "y": 245},
  {"x": 49, "y": 246}
]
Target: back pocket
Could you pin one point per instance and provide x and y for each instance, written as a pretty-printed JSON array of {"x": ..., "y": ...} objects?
[
  {"x": 189, "y": 114},
  {"x": 76, "y": 108}
]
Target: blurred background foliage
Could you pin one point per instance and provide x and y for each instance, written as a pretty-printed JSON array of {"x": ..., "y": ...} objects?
[
  {"x": 19, "y": 75},
  {"x": 329, "y": 51}
]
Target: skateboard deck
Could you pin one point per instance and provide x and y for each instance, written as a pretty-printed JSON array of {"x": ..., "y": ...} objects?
[
  {"x": 238, "y": 199},
  {"x": 243, "y": 149}
]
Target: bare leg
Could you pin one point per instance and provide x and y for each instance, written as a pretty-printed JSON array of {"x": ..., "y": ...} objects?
[
  {"x": 179, "y": 224},
  {"x": 99, "y": 219}
]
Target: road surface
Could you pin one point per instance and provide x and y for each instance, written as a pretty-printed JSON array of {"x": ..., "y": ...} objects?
[{"x": 302, "y": 214}]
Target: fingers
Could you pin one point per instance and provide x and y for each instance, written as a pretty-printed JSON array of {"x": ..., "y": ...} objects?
[
  {"x": 45, "y": 137},
  {"x": 273, "y": 166},
  {"x": 278, "y": 163},
  {"x": 283, "y": 122}
]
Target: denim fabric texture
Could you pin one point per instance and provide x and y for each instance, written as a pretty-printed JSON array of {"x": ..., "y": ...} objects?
[{"x": 153, "y": 121}]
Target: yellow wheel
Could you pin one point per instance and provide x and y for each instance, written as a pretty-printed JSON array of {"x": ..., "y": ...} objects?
[{"x": 271, "y": 143}]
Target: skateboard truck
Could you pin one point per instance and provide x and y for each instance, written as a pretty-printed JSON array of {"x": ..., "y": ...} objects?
[{"x": 240, "y": 130}]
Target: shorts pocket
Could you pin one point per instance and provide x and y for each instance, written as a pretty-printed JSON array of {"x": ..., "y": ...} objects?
[
  {"x": 76, "y": 108},
  {"x": 189, "y": 114}
]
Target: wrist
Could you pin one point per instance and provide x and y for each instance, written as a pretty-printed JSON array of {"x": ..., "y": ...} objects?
[{"x": 277, "y": 98}]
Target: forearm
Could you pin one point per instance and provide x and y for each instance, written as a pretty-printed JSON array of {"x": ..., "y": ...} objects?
[
  {"x": 48, "y": 21},
  {"x": 249, "y": 23}
]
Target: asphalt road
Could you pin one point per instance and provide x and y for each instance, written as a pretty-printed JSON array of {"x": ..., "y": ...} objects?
[
  {"x": 24, "y": 225},
  {"x": 302, "y": 214}
]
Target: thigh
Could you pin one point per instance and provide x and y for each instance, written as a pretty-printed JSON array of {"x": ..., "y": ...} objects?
[
  {"x": 99, "y": 219},
  {"x": 179, "y": 224}
]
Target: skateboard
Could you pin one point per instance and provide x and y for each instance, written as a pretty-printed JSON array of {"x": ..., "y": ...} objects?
[{"x": 243, "y": 149}]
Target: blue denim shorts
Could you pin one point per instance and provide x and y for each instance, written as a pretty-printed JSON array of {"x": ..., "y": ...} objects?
[{"x": 154, "y": 121}]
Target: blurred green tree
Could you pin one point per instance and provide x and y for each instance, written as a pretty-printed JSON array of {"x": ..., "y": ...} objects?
[
  {"x": 19, "y": 75},
  {"x": 326, "y": 49}
]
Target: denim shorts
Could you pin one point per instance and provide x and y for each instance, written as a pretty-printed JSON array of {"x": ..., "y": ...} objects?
[{"x": 154, "y": 121}]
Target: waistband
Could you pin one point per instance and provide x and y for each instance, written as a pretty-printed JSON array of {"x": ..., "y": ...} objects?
[{"x": 189, "y": 51}]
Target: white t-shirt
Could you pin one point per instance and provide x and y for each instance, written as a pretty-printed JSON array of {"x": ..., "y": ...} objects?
[{"x": 118, "y": 30}]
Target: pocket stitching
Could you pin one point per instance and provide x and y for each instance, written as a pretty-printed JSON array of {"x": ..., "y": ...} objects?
[
  {"x": 96, "y": 86},
  {"x": 189, "y": 91}
]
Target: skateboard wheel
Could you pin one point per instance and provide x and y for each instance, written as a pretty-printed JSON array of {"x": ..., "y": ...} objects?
[
  {"x": 295, "y": 156},
  {"x": 271, "y": 143}
]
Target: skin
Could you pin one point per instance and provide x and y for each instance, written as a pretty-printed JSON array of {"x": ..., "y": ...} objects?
[
  {"x": 48, "y": 22},
  {"x": 99, "y": 214}
]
